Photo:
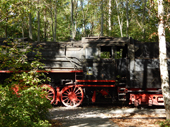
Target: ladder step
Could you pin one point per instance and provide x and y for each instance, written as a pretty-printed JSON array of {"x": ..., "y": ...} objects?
[
  {"x": 122, "y": 88},
  {"x": 122, "y": 99},
  {"x": 122, "y": 83},
  {"x": 121, "y": 94}
]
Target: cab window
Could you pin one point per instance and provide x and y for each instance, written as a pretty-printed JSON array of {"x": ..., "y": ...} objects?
[{"x": 106, "y": 52}]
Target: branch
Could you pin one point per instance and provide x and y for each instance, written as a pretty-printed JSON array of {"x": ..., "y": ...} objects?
[
  {"x": 138, "y": 23},
  {"x": 2, "y": 20}
]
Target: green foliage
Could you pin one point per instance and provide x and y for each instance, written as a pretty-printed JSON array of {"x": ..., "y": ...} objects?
[
  {"x": 119, "y": 54},
  {"x": 87, "y": 19},
  {"x": 165, "y": 123},
  {"x": 27, "y": 106},
  {"x": 105, "y": 55},
  {"x": 27, "y": 110}
]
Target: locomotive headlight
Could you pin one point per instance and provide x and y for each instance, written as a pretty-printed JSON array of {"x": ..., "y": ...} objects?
[{"x": 89, "y": 71}]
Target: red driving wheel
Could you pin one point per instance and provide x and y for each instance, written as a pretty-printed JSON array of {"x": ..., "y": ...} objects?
[
  {"x": 72, "y": 96},
  {"x": 51, "y": 92}
]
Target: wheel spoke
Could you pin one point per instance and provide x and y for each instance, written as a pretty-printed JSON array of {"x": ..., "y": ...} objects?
[
  {"x": 79, "y": 96},
  {"x": 71, "y": 89},
  {"x": 68, "y": 101},
  {"x": 68, "y": 91},
  {"x": 65, "y": 99},
  {"x": 76, "y": 91},
  {"x": 65, "y": 96},
  {"x": 65, "y": 93},
  {"x": 74, "y": 103}
]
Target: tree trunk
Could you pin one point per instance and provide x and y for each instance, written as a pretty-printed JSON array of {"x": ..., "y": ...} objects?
[
  {"x": 163, "y": 60},
  {"x": 6, "y": 29},
  {"x": 92, "y": 26},
  {"x": 110, "y": 12},
  {"x": 75, "y": 3},
  {"x": 45, "y": 26},
  {"x": 102, "y": 18},
  {"x": 127, "y": 19},
  {"x": 72, "y": 21},
  {"x": 119, "y": 21},
  {"x": 143, "y": 18},
  {"x": 52, "y": 29},
  {"x": 55, "y": 23},
  {"x": 22, "y": 28},
  {"x": 38, "y": 24},
  {"x": 84, "y": 28},
  {"x": 6, "y": 26},
  {"x": 30, "y": 26},
  {"x": 30, "y": 22}
]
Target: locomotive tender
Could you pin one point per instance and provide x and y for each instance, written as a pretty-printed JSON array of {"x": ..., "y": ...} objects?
[{"x": 102, "y": 69}]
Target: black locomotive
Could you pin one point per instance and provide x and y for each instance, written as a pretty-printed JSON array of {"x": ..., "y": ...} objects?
[{"x": 102, "y": 69}]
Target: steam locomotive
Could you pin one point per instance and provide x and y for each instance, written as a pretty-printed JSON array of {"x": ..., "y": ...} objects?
[{"x": 102, "y": 69}]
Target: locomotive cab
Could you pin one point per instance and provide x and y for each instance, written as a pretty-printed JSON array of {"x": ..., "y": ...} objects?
[{"x": 102, "y": 55}]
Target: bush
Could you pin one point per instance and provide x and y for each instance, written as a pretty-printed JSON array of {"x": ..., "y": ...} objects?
[
  {"x": 28, "y": 107},
  {"x": 28, "y": 110},
  {"x": 165, "y": 123}
]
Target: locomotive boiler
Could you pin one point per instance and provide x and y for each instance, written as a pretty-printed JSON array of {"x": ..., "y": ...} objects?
[{"x": 102, "y": 70}]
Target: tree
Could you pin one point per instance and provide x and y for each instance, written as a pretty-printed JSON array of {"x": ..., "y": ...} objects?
[
  {"x": 143, "y": 18},
  {"x": 38, "y": 13},
  {"x": 52, "y": 20},
  {"x": 55, "y": 23},
  {"x": 30, "y": 22},
  {"x": 72, "y": 19},
  {"x": 109, "y": 21},
  {"x": 120, "y": 20},
  {"x": 101, "y": 18},
  {"x": 127, "y": 19},
  {"x": 163, "y": 59},
  {"x": 83, "y": 14}
]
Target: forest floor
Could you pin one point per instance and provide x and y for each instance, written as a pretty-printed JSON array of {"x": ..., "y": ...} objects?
[
  {"x": 139, "y": 120},
  {"x": 127, "y": 122},
  {"x": 106, "y": 117}
]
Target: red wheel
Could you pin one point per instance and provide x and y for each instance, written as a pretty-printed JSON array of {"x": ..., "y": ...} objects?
[
  {"x": 72, "y": 96},
  {"x": 51, "y": 92}
]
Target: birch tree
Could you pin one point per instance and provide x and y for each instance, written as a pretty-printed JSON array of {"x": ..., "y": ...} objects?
[
  {"x": 30, "y": 22},
  {"x": 72, "y": 20},
  {"x": 110, "y": 12},
  {"x": 143, "y": 18},
  {"x": 45, "y": 25},
  {"x": 55, "y": 23},
  {"x": 127, "y": 19},
  {"x": 120, "y": 21},
  {"x": 38, "y": 39},
  {"x": 83, "y": 13},
  {"x": 102, "y": 18},
  {"x": 163, "y": 59}
]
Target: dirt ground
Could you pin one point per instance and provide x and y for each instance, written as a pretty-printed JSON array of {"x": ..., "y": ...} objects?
[
  {"x": 137, "y": 118},
  {"x": 125, "y": 122}
]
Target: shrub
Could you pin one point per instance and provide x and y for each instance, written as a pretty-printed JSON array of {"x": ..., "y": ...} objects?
[
  {"x": 27, "y": 108},
  {"x": 164, "y": 123}
]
